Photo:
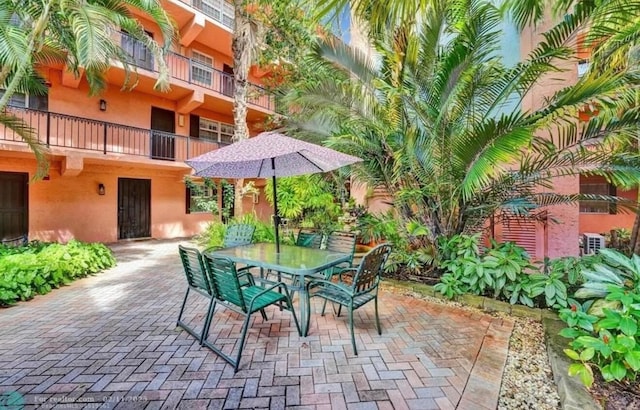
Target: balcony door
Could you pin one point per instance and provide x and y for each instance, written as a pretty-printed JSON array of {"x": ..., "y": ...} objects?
[
  {"x": 134, "y": 208},
  {"x": 163, "y": 140},
  {"x": 14, "y": 205},
  {"x": 227, "y": 81}
]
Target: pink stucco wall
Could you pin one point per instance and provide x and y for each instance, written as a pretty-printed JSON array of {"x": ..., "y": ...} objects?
[
  {"x": 562, "y": 228},
  {"x": 66, "y": 207}
]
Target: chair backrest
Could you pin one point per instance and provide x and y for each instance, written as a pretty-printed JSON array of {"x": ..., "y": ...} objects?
[
  {"x": 309, "y": 238},
  {"x": 194, "y": 269},
  {"x": 224, "y": 280},
  {"x": 238, "y": 234},
  {"x": 368, "y": 274},
  {"x": 343, "y": 242}
]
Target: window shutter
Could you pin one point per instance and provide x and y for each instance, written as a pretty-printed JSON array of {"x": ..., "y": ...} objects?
[
  {"x": 194, "y": 126},
  {"x": 523, "y": 233}
]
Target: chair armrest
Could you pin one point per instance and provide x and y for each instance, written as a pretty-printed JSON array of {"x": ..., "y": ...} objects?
[
  {"x": 348, "y": 271},
  {"x": 245, "y": 274},
  {"x": 266, "y": 290},
  {"x": 323, "y": 282}
]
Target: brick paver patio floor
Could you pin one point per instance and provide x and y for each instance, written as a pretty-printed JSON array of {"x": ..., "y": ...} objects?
[{"x": 110, "y": 341}]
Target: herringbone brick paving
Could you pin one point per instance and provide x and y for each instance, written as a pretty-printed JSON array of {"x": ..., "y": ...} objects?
[{"x": 110, "y": 341}]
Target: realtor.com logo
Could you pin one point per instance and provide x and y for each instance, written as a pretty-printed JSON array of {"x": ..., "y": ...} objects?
[{"x": 11, "y": 400}]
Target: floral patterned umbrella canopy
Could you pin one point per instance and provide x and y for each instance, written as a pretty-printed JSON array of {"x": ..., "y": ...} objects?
[{"x": 269, "y": 154}]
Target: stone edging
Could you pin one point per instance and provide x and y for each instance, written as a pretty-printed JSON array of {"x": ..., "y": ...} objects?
[{"x": 573, "y": 394}]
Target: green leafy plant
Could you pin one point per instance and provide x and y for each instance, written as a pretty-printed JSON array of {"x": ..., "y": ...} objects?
[
  {"x": 605, "y": 328},
  {"x": 608, "y": 342},
  {"x": 504, "y": 272},
  {"x": 39, "y": 267}
]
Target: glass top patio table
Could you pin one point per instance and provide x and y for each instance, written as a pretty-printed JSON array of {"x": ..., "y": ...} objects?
[{"x": 294, "y": 260}]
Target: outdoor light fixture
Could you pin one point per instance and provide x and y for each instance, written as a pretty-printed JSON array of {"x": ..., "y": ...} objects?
[
  {"x": 103, "y": 105},
  {"x": 101, "y": 189}
]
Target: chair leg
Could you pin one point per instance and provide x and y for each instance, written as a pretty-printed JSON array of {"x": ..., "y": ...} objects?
[
  {"x": 245, "y": 328},
  {"x": 184, "y": 303},
  {"x": 264, "y": 315},
  {"x": 353, "y": 336},
  {"x": 324, "y": 306},
  {"x": 207, "y": 321},
  {"x": 339, "y": 310},
  {"x": 378, "y": 317}
]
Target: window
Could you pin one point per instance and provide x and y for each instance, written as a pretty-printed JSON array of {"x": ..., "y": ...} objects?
[
  {"x": 201, "y": 197},
  {"x": 36, "y": 102},
  {"x": 216, "y": 131},
  {"x": 592, "y": 187},
  {"x": 201, "y": 69},
  {"x": 139, "y": 54}
]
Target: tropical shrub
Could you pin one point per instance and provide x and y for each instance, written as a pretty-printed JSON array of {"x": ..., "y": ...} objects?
[
  {"x": 604, "y": 329},
  {"x": 39, "y": 267},
  {"x": 620, "y": 239},
  {"x": 607, "y": 343},
  {"x": 308, "y": 200},
  {"x": 503, "y": 271}
]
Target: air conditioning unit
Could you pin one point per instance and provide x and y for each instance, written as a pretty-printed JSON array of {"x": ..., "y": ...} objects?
[{"x": 592, "y": 242}]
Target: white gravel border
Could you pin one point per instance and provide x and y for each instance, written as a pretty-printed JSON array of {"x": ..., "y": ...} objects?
[{"x": 527, "y": 380}]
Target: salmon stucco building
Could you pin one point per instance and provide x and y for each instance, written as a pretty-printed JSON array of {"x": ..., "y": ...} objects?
[{"x": 117, "y": 159}]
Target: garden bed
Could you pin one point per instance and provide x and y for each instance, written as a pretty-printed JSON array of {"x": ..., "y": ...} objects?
[{"x": 38, "y": 267}]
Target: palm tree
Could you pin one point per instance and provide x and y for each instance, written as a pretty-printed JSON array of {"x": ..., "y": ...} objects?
[
  {"x": 435, "y": 112},
  {"x": 243, "y": 47},
  {"x": 78, "y": 35}
]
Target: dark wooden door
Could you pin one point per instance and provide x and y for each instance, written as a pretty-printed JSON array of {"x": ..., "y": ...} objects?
[
  {"x": 227, "y": 81},
  {"x": 134, "y": 208},
  {"x": 14, "y": 205},
  {"x": 163, "y": 127}
]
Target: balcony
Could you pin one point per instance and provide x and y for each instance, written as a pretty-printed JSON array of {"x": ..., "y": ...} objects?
[
  {"x": 220, "y": 11},
  {"x": 65, "y": 131},
  {"x": 193, "y": 72}
]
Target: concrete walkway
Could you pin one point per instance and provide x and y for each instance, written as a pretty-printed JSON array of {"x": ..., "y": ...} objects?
[{"x": 110, "y": 341}]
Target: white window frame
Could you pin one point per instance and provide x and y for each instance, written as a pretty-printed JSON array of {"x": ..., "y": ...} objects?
[
  {"x": 210, "y": 193},
  {"x": 197, "y": 63},
  {"x": 223, "y": 131}
]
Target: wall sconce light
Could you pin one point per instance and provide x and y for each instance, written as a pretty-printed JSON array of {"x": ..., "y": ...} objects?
[
  {"x": 256, "y": 198},
  {"x": 101, "y": 190},
  {"x": 103, "y": 105},
  {"x": 180, "y": 120}
]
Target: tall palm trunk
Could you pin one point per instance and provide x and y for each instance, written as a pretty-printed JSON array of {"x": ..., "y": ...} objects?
[{"x": 241, "y": 47}]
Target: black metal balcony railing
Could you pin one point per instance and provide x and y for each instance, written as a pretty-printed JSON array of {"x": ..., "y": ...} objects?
[
  {"x": 193, "y": 72},
  {"x": 60, "y": 130}
]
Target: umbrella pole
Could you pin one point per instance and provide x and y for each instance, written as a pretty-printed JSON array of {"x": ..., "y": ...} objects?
[{"x": 276, "y": 217}]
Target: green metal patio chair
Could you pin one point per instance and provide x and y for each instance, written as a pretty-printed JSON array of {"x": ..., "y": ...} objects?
[
  {"x": 343, "y": 242},
  {"x": 309, "y": 238},
  {"x": 246, "y": 300},
  {"x": 198, "y": 281},
  {"x": 238, "y": 234},
  {"x": 362, "y": 288}
]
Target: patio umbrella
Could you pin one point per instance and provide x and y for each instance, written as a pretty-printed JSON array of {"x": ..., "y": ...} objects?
[{"x": 269, "y": 154}]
